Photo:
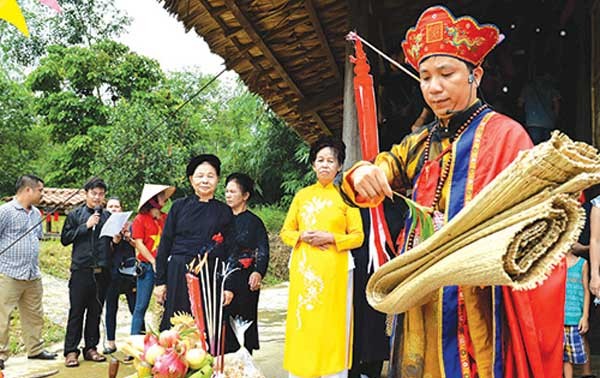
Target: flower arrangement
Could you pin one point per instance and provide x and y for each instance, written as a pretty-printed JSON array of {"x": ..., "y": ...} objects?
[{"x": 173, "y": 353}]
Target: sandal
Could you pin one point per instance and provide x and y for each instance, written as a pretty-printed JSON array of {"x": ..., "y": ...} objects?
[
  {"x": 93, "y": 355},
  {"x": 71, "y": 360}
]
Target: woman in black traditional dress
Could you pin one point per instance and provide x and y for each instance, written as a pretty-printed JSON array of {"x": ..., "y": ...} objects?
[
  {"x": 250, "y": 254},
  {"x": 190, "y": 230}
]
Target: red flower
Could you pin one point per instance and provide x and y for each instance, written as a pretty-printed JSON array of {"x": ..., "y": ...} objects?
[
  {"x": 246, "y": 262},
  {"x": 218, "y": 238}
]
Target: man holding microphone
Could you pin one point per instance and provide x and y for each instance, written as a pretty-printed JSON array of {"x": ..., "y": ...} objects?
[{"x": 89, "y": 274}]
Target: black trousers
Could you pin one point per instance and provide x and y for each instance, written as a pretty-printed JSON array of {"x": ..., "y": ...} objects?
[
  {"x": 116, "y": 286},
  {"x": 87, "y": 291},
  {"x": 245, "y": 305},
  {"x": 370, "y": 369}
]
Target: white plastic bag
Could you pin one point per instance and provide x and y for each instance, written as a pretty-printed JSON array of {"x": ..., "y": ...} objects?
[{"x": 240, "y": 364}]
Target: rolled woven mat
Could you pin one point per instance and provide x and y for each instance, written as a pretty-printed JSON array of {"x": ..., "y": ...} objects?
[{"x": 511, "y": 233}]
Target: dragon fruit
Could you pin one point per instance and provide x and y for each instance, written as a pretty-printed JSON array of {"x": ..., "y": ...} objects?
[
  {"x": 168, "y": 338},
  {"x": 169, "y": 365}
]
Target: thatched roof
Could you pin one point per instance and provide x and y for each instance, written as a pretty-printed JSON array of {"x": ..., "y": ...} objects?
[
  {"x": 289, "y": 52},
  {"x": 60, "y": 199}
]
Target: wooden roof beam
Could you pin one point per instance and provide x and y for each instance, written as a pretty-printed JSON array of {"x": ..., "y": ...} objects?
[
  {"x": 314, "y": 18},
  {"x": 233, "y": 32},
  {"x": 257, "y": 39},
  {"x": 243, "y": 54}
]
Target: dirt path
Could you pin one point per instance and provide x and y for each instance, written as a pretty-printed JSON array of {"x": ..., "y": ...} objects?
[{"x": 272, "y": 307}]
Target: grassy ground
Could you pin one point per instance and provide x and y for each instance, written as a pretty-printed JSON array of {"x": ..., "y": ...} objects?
[
  {"x": 278, "y": 261},
  {"x": 52, "y": 333},
  {"x": 55, "y": 259},
  {"x": 273, "y": 217}
]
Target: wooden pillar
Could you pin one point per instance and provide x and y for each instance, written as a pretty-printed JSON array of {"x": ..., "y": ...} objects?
[
  {"x": 583, "y": 107},
  {"x": 350, "y": 122},
  {"x": 358, "y": 20},
  {"x": 595, "y": 72}
]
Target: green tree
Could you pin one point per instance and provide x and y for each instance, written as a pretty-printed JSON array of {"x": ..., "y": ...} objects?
[
  {"x": 22, "y": 141},
  {"x": 144, "y": 145},
  {"x": 82, "y": 22},
  {"x": 76, "y": 88}
]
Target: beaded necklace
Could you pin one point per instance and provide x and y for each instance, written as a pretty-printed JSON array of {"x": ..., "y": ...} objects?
[{"x": 446, "y": 167}]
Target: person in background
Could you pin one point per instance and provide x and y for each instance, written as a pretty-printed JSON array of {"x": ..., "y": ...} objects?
[
  {"x": 196, "y": 225},
  {"x": 322, "y": 230},
  {"x": 541, "y": 102},
  {"x": 250, "y": 254},
  {"x": 577, "y": 302},
  {"x": 581, "y": 248},
  {"x": 147, "y": 228},
  {"x": 20, "y": 276},
  {"x": 121, "y": 252},
  {"x": 90, "y": 275},
  {"x": 594, "y": 251}
]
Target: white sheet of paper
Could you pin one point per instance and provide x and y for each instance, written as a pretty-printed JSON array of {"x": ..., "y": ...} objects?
[{"x": 114, "y": 224}]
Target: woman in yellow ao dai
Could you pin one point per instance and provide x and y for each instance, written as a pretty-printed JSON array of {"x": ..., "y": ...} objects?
[{"x": 322, "y": 230}]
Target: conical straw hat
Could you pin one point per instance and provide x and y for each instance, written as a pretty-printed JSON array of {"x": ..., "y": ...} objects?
[{"x": 150, "y": 190}]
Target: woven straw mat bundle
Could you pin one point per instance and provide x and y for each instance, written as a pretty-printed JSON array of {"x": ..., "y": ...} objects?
[{"x": 512, "y": 233}]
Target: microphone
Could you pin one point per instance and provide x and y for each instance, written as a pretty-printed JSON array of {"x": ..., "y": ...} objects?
[
  {"x": 470, "y": 80},
  {"x": 97, "y": 211}
]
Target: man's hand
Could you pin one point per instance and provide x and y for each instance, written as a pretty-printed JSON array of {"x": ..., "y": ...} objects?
[
  {"x": 254, "y": 281},
  {"x": 92, "y": 220},
  {"x": 160, "y": 293},
  {"x": 595, "y": 284},
  {"x": 227, "y": 297},
  {"x": 370, "y": 182}
]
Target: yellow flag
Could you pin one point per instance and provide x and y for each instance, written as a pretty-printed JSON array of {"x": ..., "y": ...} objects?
[{"x": 10, "y": 11}]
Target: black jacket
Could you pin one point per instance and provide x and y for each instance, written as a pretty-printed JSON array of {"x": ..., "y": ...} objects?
[{"x": 76, "y": 232}]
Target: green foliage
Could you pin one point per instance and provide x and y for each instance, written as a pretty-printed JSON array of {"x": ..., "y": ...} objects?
[
  {"x": 51, "y": 333},
  {"x": 99, "y": 109},
  {"x": 21, "y": 139},
  {"x": 272, "y": 216},
  {"x": 82, "y": 22},
  {"x": 294, "y": 180},
  {"x": 79, "y": 90},
  {"x": 142, "y": 146}
]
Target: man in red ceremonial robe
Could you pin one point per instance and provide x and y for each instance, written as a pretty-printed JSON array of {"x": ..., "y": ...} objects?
[{"x": 462, "y": 331}]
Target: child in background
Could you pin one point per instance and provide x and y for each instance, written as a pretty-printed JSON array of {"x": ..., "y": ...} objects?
[{"x": 577, "y": 303}]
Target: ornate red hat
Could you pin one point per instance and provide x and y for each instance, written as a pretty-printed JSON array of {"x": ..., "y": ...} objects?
[{"x": 438, "y": 32}]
